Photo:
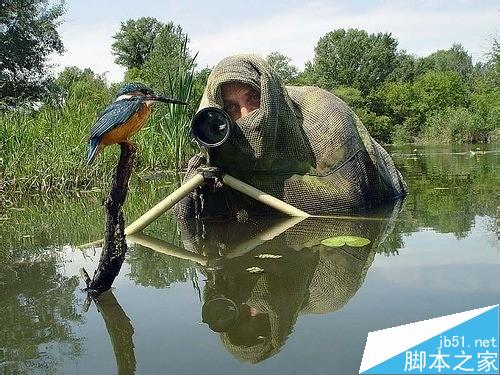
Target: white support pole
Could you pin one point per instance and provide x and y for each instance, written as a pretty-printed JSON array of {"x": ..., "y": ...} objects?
[
  {"x": 196, "y": 181},
  {"x": 166, "y": 248},
  {"x": 268, "y": 234},
  {"x": 265, "y": 198},
  {"x": 158, "y": 210}
]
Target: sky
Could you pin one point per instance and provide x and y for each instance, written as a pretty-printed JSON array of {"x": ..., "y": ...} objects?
[{"x": 221, "y": 28}]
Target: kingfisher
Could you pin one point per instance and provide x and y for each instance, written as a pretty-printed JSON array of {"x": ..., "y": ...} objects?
[{"x": 124, "y": 117}]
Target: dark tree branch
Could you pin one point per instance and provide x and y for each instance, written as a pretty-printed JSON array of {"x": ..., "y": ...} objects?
[{"x": 115, "y": 245}]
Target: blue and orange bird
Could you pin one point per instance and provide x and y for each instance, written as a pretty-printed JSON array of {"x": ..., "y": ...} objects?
[{"x": 124, "y": 117}]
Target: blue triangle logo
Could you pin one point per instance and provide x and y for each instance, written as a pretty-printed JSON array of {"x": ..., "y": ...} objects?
[{"x": 470, "y": 347}]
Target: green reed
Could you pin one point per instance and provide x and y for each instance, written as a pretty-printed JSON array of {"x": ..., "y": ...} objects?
[{"x": 45, "y": 149}]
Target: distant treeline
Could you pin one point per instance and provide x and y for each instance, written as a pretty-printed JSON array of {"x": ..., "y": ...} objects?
[{"x": 44, "y": 120}]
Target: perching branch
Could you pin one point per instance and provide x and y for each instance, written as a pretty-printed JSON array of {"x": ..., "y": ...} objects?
[{"x": 115, "y": 246}]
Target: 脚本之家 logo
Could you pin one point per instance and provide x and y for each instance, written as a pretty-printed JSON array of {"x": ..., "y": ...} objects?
[{"x": 463, "y": 343}]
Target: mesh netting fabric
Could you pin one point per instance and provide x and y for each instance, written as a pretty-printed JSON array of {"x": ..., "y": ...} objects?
[
  {"x": 303, "y": 145},
  {"x": 309, "y": 278}
]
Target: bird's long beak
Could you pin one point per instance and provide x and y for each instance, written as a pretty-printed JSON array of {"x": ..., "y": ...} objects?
[{"x": 165, "y": 99}]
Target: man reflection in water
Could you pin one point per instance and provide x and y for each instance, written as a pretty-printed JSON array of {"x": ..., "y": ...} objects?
[{"x": 255, "y": 313}]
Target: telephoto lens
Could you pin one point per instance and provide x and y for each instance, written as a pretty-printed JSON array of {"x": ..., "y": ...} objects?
[{"x": 211, "y": 127}]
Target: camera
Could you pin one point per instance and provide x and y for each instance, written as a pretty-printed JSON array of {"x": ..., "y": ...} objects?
[{"x": 211, "y": 127}]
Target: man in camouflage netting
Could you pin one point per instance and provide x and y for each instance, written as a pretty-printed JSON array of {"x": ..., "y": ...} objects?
[{"x": 300, "y": 144}]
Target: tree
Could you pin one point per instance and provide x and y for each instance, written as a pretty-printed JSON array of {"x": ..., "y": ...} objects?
[
  {"x": 435, "y": 91},
  {"x": 404, "y": 69},
  {"x": 456, "y": 59},
  {"x": 396, "y": 100},
  {"x": 494, "y": 55},
  {"x": 135, "y": 41},
  {"x": 169, "y": 52},
  {"x": 28, "y": 35},
  {"x": 485, "y": 98},
  {"x": 281, "y": 64},
  {"x": 306, "y": 77},
  {"x": 83, "y": 84},
  {"x": 351, "y": 96},
  {"x": 354, "y": 58},
  {"x": 380, "y": 127}
]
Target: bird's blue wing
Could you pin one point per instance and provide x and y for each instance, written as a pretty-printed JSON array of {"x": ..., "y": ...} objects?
[{"x": 115, "y": 114}]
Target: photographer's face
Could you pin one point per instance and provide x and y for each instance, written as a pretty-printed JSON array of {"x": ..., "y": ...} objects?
[{"x": 239, "y": 99}]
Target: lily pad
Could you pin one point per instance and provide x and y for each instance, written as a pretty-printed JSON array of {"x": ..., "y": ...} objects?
[{"x": 340, "y": 241}]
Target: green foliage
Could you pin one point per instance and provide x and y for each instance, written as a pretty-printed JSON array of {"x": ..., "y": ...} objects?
[
  {"x": 435, "y": 91},
  {"x": 135, "y": 41},
  {"x": 281, "y": 64},
  {"x": 354, "y": 58},
  {"x": 28, "y": 36},
  {"x": 170, "y": 51},
  {"x": 485, "y": 99},
  {"x": 494, "y": 56},
  {"x": 72, "y": 75},
  {"x": 169, "y": 70},
  {"x": 380, "y": 127},
  {"x": 352, "y": 96},
  {"x": 406, "y": 132},
  {"x": 396, "y": 100},
  {"x": 404, "y": 69},
  {"x": 398, "y": 97},
  {"x": 394, "y": 93},
  {"x": 456, "y": 59},
  {"x": 457, "y": 125},
  {"x": 77, "y": 83},
  {"x": 44, "y": 149},
  {"x": 57, "y": 131},
  {"x": 409, "y": 104},
  {"x": 169, "y": 125}
]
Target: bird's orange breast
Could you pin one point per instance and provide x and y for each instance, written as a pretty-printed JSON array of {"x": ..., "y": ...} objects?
[{"x": 122, "y": 132}]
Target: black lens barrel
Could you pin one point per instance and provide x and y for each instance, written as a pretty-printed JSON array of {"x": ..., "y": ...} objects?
[{"x": 211, "y": 127}]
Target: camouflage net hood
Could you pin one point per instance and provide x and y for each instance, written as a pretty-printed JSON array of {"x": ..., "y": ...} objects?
[
  {"x": 268, "y": 135},
  {"x": 303, "y": 145}
]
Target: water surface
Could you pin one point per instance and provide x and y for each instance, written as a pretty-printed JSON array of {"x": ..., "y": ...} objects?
[{"x": 185, "y": 303}]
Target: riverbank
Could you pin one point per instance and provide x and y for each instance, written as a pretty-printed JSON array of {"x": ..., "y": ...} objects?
[{"x": 45, "y": 154}]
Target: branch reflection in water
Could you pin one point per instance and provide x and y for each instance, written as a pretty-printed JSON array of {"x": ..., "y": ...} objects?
[{"x": 120, "y": 331}]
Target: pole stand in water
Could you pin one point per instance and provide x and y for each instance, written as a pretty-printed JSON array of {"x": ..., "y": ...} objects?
[
  {"x": 204, "y": 175},
  {"x": 211, "y": 172}
]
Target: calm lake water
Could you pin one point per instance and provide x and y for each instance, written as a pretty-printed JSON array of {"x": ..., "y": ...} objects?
[{"x": 184, "y": 302}]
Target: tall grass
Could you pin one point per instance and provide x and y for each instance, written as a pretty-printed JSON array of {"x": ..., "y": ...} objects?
[
  {"x": 167, "y": 143},
  {"x": 44, "y": 149},
  {"x": 459, "y": 125}
]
